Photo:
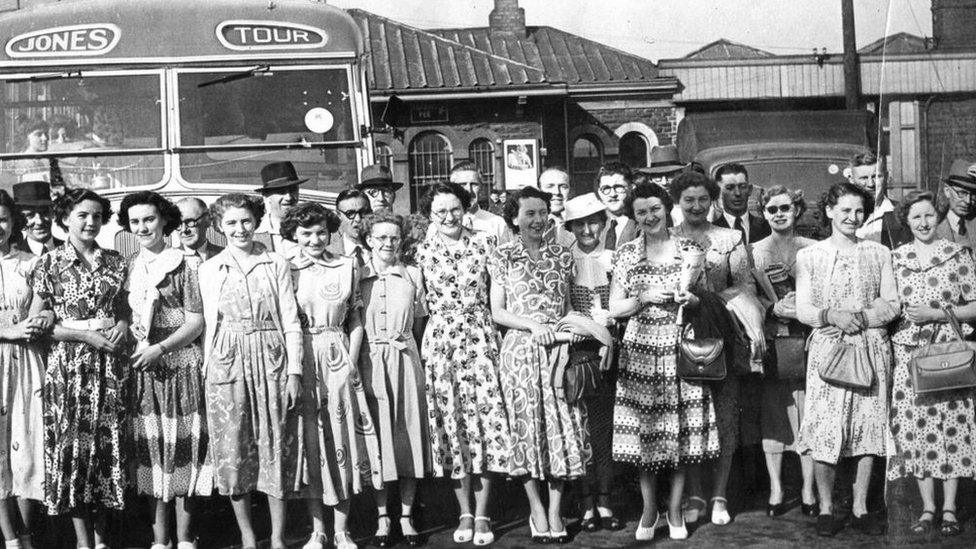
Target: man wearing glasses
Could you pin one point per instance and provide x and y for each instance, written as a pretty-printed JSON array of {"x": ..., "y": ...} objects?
[
  {"x": 614, "y": 184},
  {"x": 192, "y": 232},
  {"x": 376, "y": 181},
  {"x": 353, "y": 207},
  {"x": 868, "y": 171},
  {"x": 959, "y": 189},
  {"x": 733, "y": 180}
]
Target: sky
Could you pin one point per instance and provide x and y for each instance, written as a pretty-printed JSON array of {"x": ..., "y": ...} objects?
[{"x": 662, "y": 29}]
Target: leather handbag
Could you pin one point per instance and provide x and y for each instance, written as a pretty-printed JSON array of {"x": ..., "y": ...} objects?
[
  {"x": 944, "y": 366},
  {"x": 791, "y": 356},
  {"x": 701, "y": 359},
  {"x": 580, "y": 378},
  {"x": 848, "y": 365}
]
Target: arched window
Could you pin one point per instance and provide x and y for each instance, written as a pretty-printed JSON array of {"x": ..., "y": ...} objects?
[
  {"x": 430, "y": 162},
  {"x": 633, "y": 150},
  {"x": 383, "y": 154},
  {"x": 482, "y": 152},
  {"x": 587, "y": 159}
]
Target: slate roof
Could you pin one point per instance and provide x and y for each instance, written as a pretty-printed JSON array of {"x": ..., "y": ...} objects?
[
  {"x": 901, "y": 42},
  {"x": 724, "y": 48}
]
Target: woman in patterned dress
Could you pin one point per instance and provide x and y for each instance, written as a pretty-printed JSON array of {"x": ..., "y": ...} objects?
[
  {"x": 661, "y": 423},
  {"x": 22, "y": 374},
  {"x": 727, "y": 271},
  {"x": 253, "y": 367},
  {"x": 469, "y": 432},
  {"x": 341, "y": 451},
  {"x": 845, "y": 290},
  {"x": 934, "y": 433},
  {"x": 782, "y": 398},
  {"x": 84, "y": 406},
  {"x": 530, "y": 279},
  {"x": 394, "y": 307},
  {"x": 584, "y": 219},
  {"x": 167, "y": 421}
]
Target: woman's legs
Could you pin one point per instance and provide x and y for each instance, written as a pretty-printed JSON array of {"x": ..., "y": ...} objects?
[
  {"x": 774, "y": 466},
  {"x": 242, "y": 512},
  {"x": 824, "y": 474},
  {"x": 7, "y": 523},
  {"x": 314, "y": 508},
  {"x": 80, "y": 520},
  {"x": 949, "y": 489},
  {"x": 276, "y": 507},
  {"x": 861, "y": 482},
  {"x": 160, "y": 520},
  {"x": 926, "y": 488},
  {"x": 462, "y": 492},
  {"x": 648, "y": 488},
  {"x": 341, "y": 512},
  {"x": 382, "y": 516},
  {"x": 720, "y": 481},
  {"x": 408, "y": 490},
  {"x": 184, "y": 516},
  {"x": 537, "y": 511},
  {"x": 555, "y": 506},
  {"x": 482, "y": 491},
  {"x": 808, "y": 494}
]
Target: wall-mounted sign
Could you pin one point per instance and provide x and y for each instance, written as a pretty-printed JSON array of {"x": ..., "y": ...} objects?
[
  {"x": 69, "y": 41},
  {"x": 241, "y": 35},
  {"x": 521, "y": 163},
  {"x": 428, "y": 113}
]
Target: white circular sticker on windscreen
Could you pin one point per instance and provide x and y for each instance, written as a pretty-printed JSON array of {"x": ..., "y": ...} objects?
[
  {"x": 833, "y": 169},
  {"x": 319, "y": 120}
]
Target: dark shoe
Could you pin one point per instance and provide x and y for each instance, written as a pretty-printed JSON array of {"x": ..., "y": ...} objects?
[
  {"x": 867, "y": 524},
  {"x": 828, "y": 526},
  {"x": 538, "y": 536},
  {"x": 413, "y": 540},
  {"x": 383, "y": 541},
  {"x": 591, "y": 524},
  {"x": 611, "y": 523},
  {"x": 949, "y": 528},
  {"x": 924, "y": 524},
  {"x": 775, "y": 509},
  {"x": 811, "y": 510}
]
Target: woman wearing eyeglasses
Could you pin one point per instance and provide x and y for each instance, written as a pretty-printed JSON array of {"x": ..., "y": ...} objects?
[
  {"x": 469, "y": 431},
  {"x": 782, "y": 401}
]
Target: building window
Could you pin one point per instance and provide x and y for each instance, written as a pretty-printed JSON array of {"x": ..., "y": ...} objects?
[
  {"x": 633, "y": 150},
  {"x": 587, "y": 159},
  {"x": 430, "y": 162},
  {"x": 383, "y": 155},
  {"x": 482, "y": 152}
]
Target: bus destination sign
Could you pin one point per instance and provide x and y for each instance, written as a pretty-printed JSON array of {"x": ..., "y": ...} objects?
[
  {"x": 70, "y": 41},
  {"x": 269, "y": 35}
]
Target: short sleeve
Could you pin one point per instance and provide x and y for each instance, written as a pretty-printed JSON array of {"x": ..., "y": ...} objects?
[
  {"x": 623, "y": 261},
  {"x": 419, "y": 294},
  {"x": 192, "y": 301},
  {"x": 498, "y": 266},
  {"x": 965, "y": 270},
  {"x": 356, "y": 295},
  {"x": 39, "y": 282}
]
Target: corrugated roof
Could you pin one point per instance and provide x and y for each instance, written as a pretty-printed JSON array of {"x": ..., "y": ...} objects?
[
  {"x": 402, "y": 58},
  {"x": 901, "y": 42},
  {"x": 724, "y": 48}
]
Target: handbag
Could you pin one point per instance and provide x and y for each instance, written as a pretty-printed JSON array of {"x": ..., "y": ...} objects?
[
  {"x": 580, "y": 377},
  {"x": 790, "y": 353},
  {"x": 848, "y": 365},
  {"x": 944, "y": 366},
  {"x": 701, "y": 359}
]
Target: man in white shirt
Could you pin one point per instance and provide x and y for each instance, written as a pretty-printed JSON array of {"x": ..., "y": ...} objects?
[
  {"x": 192, "y": 232},
  {"x": 34, "y": 200},
  {"x": 868, "y": 171},
  {"x": 614, "y": 187},
  {"x": 280, "y": 191},
  {"x": 555, "y": 181},
  {"x": 465, "y": 173},
  {"x": 733, "y": 180},
  {"x": 352, "y": 206},
  {"x": 959, "y": 189}
]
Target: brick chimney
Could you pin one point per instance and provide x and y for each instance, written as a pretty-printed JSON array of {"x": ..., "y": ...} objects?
[
  {"x": 508, "y": 18},
  {"x": 953, "y": 24}
]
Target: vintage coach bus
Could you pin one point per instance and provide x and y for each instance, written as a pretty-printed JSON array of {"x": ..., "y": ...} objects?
[{"x": 184, "y": 97}]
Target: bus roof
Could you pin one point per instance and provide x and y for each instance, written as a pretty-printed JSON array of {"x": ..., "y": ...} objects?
[{"x": 89, "y": 32}]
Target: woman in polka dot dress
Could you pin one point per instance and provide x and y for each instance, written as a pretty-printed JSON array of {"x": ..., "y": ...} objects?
[{"x": 934, "y": 433}]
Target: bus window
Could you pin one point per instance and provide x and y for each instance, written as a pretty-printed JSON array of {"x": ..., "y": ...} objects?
[
  {"x": 232, "y": 123},
  {"x": 96, "y": 131}
]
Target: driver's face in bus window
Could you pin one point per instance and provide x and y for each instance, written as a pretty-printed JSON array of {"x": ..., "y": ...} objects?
[
  {"x": 278, "y": 203},
  {"x": 37, "y": 141},
  {"x": 38, "y": 226}
]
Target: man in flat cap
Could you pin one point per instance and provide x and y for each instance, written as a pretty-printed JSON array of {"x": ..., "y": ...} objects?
[
  {"x": 959, "y": 189},
  {"x": 279, "y": 187},
  {"x": 376, "y": 182},
  {"x": 34, "y": 200}
]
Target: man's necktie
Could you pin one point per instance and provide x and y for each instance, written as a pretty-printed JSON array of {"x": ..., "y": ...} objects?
[
  {"x": 738, "y": 226},
  {"x": 357, "y": 252},
  {"x": 611, "y": 239},
  {"x": 962, "y": 227}
]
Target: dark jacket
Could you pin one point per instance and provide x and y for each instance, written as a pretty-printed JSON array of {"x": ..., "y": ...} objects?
[{"x": 758, "y": 227}]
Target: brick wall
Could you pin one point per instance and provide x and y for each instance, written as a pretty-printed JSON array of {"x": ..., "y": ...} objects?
[
  {"x": 950, "y": 134},
  {"x": 953, "y": 24},
  {"x": 507, "y": 18}
]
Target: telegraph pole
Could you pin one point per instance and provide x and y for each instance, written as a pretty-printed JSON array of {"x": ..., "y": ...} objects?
[{"x": 852, "y": 68}]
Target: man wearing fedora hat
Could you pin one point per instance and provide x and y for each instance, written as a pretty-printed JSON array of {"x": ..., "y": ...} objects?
[
  {"x": 868, "y": 171},
  {"x": 959, "y": 190},
  {"x": 279, "y": 187},
  {"x": 376, "y": 181},
  {"x": 34, "y": 200},
  {"x": 664, "y": 167}
]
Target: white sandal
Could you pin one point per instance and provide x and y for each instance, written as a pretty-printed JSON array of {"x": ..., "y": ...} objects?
[
  {"x": 721, "y": 518},
  {"x": 483, "y": 538},
  {"x": 467, "y": 534}
]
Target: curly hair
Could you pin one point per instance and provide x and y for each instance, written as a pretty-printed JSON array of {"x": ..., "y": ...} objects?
[
  {"x": 444, "y": 188},
  {"x": 308, "y": 214},
  {"x": 164, "y": 208},
  {"x": 835, "y": 192},
  {"x": 653, "y": 190},
  {"x": 378, "y": 218},
  {"x": 914, "y": 197},
  {"x": 253, "y": 204},
  {"x": 17, "y": 219},
  {"x": 796, "y": 198},
  {"x": 689, "y": 180},
  {"x": 28, "y": 125},
  {"x": 72, "y": 197},
  {"x": 514, "y": 202},
  {"x": 613, "y": 168}
]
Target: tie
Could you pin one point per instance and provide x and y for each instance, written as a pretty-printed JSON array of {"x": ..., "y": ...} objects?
[
  {"x": 738, "y": 226},
  {"x": 357, "y": 252},
  {"x": 468, "y": 222},
  {"x": 962, "y": 227},
  {"x": 611, "y": 241}
]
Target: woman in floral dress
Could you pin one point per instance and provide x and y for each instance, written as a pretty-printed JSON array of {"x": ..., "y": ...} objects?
[
  {"x": 341, "y": 451},
  {"x": 661, "y": 423},
  {"x": 469, "y": 433},
  {"x": 84, "y": 406},
  {"x": 845, "y": 290},
  {"x": 167, "y": 423},
  {"x": 394, "y": 307},
  {"x": 530, "y": 279},
  {"x": 253, "y": 354},
  {"x": 934, "y": 433},
  {"x": 22, "y": 375}
]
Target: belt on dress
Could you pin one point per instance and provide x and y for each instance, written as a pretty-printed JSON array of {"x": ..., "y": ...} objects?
[
  {"x": 398, "y": 341},
  {"x": 88, "y": 324},
  {"x": 315, "y": 330},
  {"x": 249, "y": 326},
  {"x": 466, "y": 311}
]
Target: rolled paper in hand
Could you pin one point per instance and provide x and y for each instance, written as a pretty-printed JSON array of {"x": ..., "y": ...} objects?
[{"x": 692, "y": 266}]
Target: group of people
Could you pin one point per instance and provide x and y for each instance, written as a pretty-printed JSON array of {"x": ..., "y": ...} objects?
[{"x": 323, "y": 354}]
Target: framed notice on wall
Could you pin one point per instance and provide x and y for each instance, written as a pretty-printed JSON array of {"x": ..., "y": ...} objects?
[{"x": 521, "y": 163}]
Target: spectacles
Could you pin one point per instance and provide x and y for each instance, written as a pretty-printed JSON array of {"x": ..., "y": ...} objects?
[
  {"x": 783, "y": 208},
  {"x": 352, "y": 214},
  {"x": 194, "y": 222},
  {"x": 741, "y": 187},
  {"x": 962, "y": 194},
  {"x": 613, "y": 189},
  {"x": 442, "y": 214},
  {"x": 377, "y": 191}
]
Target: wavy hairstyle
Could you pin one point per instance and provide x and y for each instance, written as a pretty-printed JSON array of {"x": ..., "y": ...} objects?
[
  {"x": 251, "y": 203},
  {"x": 795, "y": 195},
  {"x": 308, "y": 214},
  {"x": 166, "y": 210},
  {"x": 834, "y": 194},
  {"x": 64, "y": 205}
]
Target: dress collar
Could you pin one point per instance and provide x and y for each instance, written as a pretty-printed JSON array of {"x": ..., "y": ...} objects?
[{"x": 907, "y": 255}]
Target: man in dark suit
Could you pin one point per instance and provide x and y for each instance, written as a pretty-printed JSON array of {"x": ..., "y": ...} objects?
[
  {"x": 192, "y": 232},
  {"x": 352, "y": 206},
  {"x": 34, "y": 200},
  {"x": 733, "y": 180},
  {"x": 614, "y": 187},
  {"x": 959, "y": 192},
  {"x": 279, "y": 187}
]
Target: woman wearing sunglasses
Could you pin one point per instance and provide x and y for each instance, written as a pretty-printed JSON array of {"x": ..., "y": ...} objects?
[{"x": 782, "y": 401}]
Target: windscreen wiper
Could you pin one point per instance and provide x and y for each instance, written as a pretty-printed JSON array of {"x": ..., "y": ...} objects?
[
  {"x": 260, "y": 69},
  {"x": 46, "y": 77}
]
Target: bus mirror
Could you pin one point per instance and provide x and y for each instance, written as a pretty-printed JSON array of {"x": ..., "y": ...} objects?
[{"x": 392, "y": 114}]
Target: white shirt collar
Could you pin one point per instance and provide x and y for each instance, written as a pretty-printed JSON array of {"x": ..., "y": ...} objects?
[{"x": 730, "y": 219}]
